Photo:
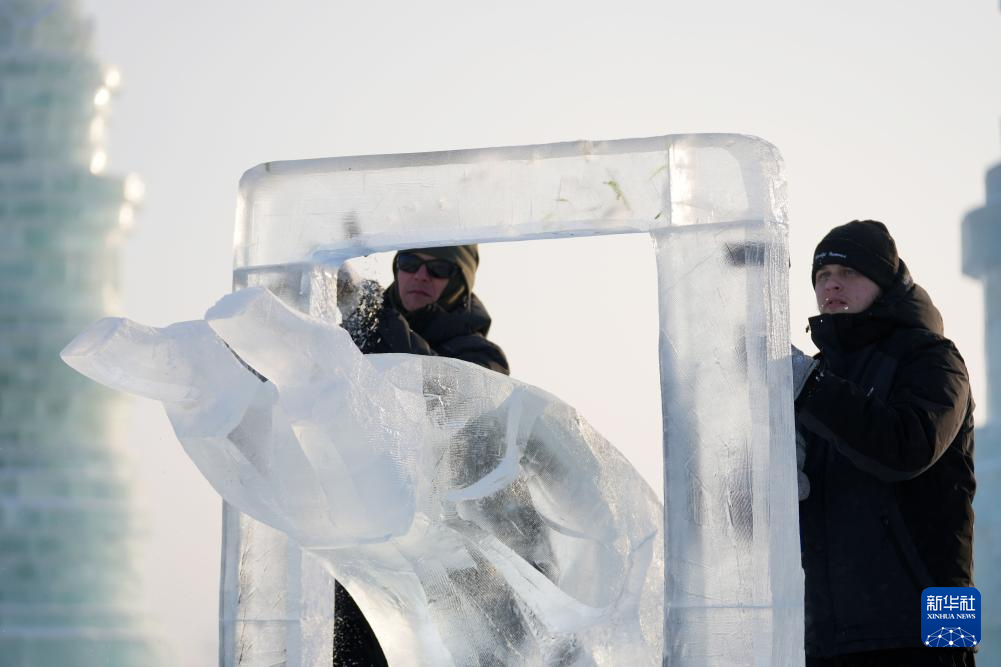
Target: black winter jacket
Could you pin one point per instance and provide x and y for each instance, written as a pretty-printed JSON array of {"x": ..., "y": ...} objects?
[
  {"x": 888, "y": 421},
  {"x": 460, "y": 333}
]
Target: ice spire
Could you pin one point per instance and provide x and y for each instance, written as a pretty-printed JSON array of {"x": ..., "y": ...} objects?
[
  {"x": 982, "y": 260},
  {"x": 67, "y": 581}
]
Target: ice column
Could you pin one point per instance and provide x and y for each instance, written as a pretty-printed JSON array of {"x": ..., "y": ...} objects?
[
  {"x": 982, "y": 260},
  {"x": 68, "y": 584},
  {"x": 715, "y": 208},
  {"x": 732, "y": 567}
]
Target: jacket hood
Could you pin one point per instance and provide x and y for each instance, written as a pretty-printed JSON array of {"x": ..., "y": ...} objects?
[
  {"x": 470, "y": 317},
  {"x": 904, "y": 305},
  {"x": 907, "y": 305}
]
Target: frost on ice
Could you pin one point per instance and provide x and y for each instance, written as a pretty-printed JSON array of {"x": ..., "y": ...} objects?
[{"x": 475, "y": 519}]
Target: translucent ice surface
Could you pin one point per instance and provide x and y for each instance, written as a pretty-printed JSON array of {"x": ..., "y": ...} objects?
[
  {"x": 476, "y": 519},
  {"x": 714, "y": 207}
]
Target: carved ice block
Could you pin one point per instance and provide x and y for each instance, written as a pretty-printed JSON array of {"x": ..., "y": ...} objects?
[{"x": 714, "y": 206}]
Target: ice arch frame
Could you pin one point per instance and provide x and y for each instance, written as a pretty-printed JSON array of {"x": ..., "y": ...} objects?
[{"x": 714, "y": 206}]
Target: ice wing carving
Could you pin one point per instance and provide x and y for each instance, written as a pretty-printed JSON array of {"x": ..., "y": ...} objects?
[{"x": 476, "y": 519}]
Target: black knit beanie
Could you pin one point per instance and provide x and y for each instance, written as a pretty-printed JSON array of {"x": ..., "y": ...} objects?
[{"x": 864, "y": 245}]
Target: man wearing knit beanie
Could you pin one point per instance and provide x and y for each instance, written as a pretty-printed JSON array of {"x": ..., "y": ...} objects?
[
  {"x": 429, "y": 309},
  {"x": 864, "y": 245},
  {"x": 885, "y": 421}
]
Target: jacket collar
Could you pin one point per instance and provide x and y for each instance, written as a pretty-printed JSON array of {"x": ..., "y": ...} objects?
[{"x": 904, "y": 305}]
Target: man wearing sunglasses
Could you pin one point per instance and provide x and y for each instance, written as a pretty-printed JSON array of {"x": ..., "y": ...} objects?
[{"x": 429, "y": 309}]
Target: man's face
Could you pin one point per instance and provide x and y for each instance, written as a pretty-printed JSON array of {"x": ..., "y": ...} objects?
[
  {"x": 420, "y": 288},
  {"x": 841, "y": 289}
]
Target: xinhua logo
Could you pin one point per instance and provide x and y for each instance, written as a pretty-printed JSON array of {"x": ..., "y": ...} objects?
[{"x": 950, "y": 617}]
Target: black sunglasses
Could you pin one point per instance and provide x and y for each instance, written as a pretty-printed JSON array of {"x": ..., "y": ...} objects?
[{"x": 437, "y": 268}]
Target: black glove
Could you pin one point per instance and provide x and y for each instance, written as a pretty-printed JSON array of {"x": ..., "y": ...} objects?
[
  {"x": 361, "y": 321},
  {"x": 801, "y": 478}
]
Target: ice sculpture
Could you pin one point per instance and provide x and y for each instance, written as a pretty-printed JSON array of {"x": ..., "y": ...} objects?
[
  {"x": 714, "y": 206},
  {"x": 477, "y": 519}
]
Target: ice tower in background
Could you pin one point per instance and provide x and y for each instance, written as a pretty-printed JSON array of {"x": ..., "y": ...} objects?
[
  {"x": 982, "y": 260},
  {"x": 68, "y": 588}
]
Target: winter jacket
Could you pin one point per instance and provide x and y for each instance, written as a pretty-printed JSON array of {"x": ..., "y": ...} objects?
[
  {"x": 460, "y": 333},
  {"x": 888, "y": 421}
]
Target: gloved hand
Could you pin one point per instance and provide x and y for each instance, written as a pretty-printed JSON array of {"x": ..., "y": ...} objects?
[
  {"x": 803, "y": 366},
  {"x": 359, "y": 301},
  {"x": 348, "y": 283},
  {"x": 802, "y": 479}
]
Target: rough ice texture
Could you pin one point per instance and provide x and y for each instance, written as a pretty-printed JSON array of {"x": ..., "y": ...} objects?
[
  {"x": 476, "y": 519},
  {"x": 714, "y": 206}
]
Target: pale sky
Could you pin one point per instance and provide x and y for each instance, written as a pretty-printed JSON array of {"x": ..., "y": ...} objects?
[{"x": 884, "y": 109}]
